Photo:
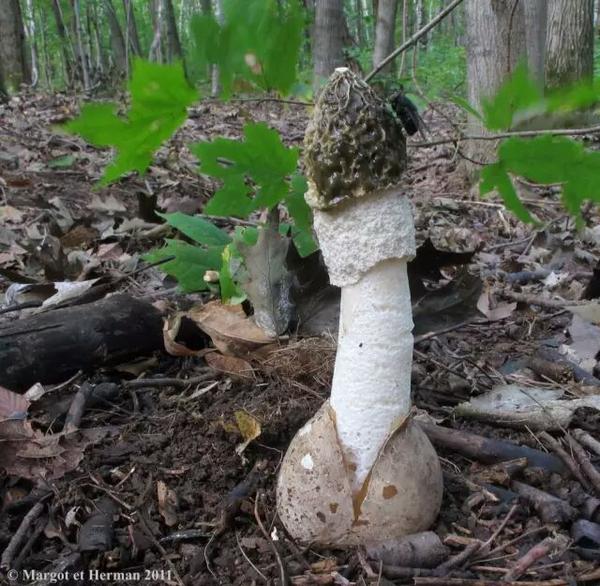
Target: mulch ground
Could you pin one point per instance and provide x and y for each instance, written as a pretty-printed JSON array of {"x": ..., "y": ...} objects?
[{"x": 185, "y": 506}]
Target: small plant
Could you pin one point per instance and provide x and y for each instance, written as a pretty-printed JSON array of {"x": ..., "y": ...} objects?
[
  {"x": 259, "y": 43},
  {"x": 543, "y": 158}
]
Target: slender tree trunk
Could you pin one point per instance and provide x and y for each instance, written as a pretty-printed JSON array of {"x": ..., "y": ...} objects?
[
  {"x": 134, "y": 37},
  {"x": 495, "y": 42},
  {"x": 173, "y": 43},
  {"x": 13, "y": 60},
  {"x": 535, "y": 31},
  {"x": 360, "y": 23},
  {"x": 30, "y": 33},
  {"x": 328, "y": 43},
  {"x": 43, "y": 26},
  {"x": 570, "y": 41},
  {"x": 117, "y": 40},
  {"x": 80, "y": 47},
  {"x": 156, "y": 53},
  {"x": 215, "y": 88},
  {"x": 421, "y": 18},
  {"x": 385, "y": 30},
  {"x": 598, "y": 17},
  {"x": 67, "y": 47},
  {"x": 98, "y": 48}
]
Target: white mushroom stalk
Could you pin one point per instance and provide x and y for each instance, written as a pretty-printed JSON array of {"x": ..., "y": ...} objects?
[{"x": 361, "y": 471}]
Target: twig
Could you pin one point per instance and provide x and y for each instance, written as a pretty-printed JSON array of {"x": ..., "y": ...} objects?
[
  {"x": 145, "y": 527},
  {"x": 182, "y": 383},
  {"x": 237, "y": 538},
  {"x": 283, "y": 577},
  {"x": 587, "y": 440},
  {"x": 568, "y": 461},
  {"x": 501, "y": 527},
  {"x": 420, "y": 33},
  {"x": 586, "y": 464},
  {"x": 501, "y": 135},
  {"x": 537, "y": 552},
  {"x": 11, "y": 549}
]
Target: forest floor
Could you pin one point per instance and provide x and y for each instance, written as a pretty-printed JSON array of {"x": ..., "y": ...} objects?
[{"x": 183, "y": 503}]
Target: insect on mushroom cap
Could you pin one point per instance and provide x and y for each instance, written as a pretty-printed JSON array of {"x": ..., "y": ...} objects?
[{"x": 353, "y": 144}]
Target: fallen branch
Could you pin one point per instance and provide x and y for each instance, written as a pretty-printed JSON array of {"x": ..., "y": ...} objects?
[
  {"x": 17, "y": 539},
  {"x": 489, "y": 450}
]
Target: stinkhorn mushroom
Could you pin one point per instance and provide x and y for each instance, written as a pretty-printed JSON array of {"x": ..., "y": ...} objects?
[{"x": 361, "y": 471}]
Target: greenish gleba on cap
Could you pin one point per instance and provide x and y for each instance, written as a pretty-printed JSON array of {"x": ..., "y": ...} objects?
[{"x": 353, "y": 144}]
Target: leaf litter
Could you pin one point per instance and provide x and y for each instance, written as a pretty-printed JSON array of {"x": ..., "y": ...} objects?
[{"x": 491, "y": 294}]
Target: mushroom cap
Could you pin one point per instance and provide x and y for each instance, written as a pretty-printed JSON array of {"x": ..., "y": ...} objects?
[
  {"x": 315, "y": 502},
  {"x": 353, "y": 144}
]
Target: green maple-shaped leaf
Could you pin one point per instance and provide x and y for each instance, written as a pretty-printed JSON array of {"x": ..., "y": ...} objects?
[
  {"x": 254, "y": 171},
  {"x": 190, "y": 263},
  {"x": 160, "y": 96},
  {"x": 545, "y": 160},
  {"x": 258, "y": 41},
  {"x": 519, "y": 92}
]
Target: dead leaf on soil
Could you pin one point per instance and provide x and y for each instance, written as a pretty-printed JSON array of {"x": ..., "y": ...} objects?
[
  {"x": 230, "y": 329},
  {"x": 167, "y": 503},
  {"x": 493, "y": 310},
  {"x": 229, "y": 364},
  {"x": 247, "y": 425}
]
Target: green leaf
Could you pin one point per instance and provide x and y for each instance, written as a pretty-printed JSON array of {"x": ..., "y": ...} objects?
[
  {"x": 231, "y": 291},
  {"x": 160, "y": 96},
  {"x": 190, "y": 263},
  {"x": 257, "y": 166},
  {"x": 462, "y": 103},
  {"x": 259, "y": 42},
  {"x": 198, "y": 229},
  {"x": 495, "y": 177},
  {"x": 517, "y": 93},
  {"x": 301, "y": 213}
]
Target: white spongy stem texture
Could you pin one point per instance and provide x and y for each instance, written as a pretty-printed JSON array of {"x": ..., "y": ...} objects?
[
  {"x": 371, "y": 383},
  {"x": 359, "y": 233}
]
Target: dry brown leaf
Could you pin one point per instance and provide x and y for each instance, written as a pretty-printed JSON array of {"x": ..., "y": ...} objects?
[
  {"x": 167, "y": 503},
  {"x": 230, "y": 329},
  {"x": 494, "y": 312},
  {"x": 229, "y": 364},
  {"x": 170, "y": 331}
]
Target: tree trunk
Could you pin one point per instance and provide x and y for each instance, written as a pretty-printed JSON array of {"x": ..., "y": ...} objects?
[
  {"x": 117, "y": 40},
  {"x": 215, "y": 86},
  {"x": 66, "y": 44},
  {"x": 328, "y": 44},
  {"x": 100, "y": 65},
  {"x": 173, "y": 44},
  {"x": 535, "y": 31},
  {"x": 13, "y": 60},
  {"x": 495, "y": 42},
  {"x": 569, "y": 42},
  {"x": 80, "y": 51},
  {"x": 420, "y": 14},
  {"x": 30, "y": 33},
  {"x": 132, "y": 30},
  {"x": 156, "y": 53},
  {"x": 385, "y": 32},
  {"x": 360, "y": 23}
]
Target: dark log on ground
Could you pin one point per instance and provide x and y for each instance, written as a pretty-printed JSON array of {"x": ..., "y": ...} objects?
[
  {"x": 50, "y": 347},
  {"x": 489, "y": 450}
]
